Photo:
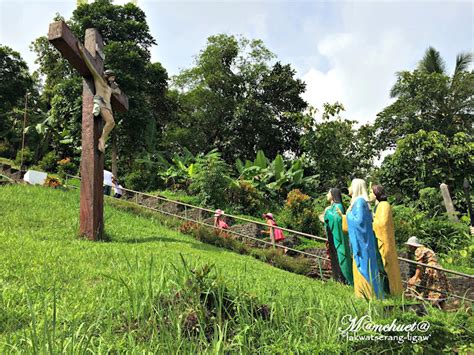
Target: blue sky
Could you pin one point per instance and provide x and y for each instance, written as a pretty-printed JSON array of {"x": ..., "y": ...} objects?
[{"x": 344, "y": 50}]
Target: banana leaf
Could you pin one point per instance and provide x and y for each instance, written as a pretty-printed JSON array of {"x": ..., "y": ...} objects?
[
  {"x": 261, "y": 160},
  {"x": 278, "y": 166}
]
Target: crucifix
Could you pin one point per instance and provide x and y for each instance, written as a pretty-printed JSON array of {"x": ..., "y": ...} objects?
[{"x": 100, "y": 95}]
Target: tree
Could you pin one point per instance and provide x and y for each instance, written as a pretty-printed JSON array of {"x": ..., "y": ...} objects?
[
  {"x": 235, "y": 100},
  {"x": 127, "y": 41},
  {"x": 15, "y": 82},
  {"x": 335, "y": 150},
  {"x": 429, "y": 99},
  {"x": 432, "y": 62},
  {"x": 427, "y": 159}
]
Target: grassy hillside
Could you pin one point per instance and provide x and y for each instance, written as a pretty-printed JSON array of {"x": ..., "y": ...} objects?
[{"x": 149, "y": 289}]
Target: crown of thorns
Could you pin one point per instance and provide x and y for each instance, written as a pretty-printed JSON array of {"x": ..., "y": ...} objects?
[{"x": 109, "y": 72}]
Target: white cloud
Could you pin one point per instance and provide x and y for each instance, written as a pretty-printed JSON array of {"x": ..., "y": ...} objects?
[
  {"x": 373, "y": 41},
  {"x": 361, "y": 72}
]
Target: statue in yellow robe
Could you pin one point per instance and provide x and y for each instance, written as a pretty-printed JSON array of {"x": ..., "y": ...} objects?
[{"x": 385, "y": 233}]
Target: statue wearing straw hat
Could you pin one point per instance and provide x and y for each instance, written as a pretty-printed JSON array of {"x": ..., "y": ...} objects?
[{"x": 427, "y": 283}]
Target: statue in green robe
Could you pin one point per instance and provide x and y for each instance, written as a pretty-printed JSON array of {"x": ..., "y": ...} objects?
[{"x": 339, "y": 250}]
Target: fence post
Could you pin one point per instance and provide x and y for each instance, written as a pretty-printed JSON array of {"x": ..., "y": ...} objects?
[
  {"x": 136, "y": 198},
  {"x": 272, "y": 237}
]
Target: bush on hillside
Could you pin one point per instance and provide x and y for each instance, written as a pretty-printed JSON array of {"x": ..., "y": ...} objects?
[
  {"x": 6, "y": 149},
  {"x": 67, "y": 167},
  {"x": 211, "y": 179},
  {"x": 204, "y": 304},
  {"x": 245, "y": 198},
  {"x": 28, "y": 157},
  {"x": 49, "y": 162},
  {"x": 299, "y": 265},
  {"x": 299, "y": 214},
  {"x": 223, "y": 239},
  {"x": 431, "y": 202},
  {"x": 438, "y": 233}
]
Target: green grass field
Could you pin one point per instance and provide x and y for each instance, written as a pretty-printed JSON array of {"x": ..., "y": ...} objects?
[{"x": 148, "y": 290}]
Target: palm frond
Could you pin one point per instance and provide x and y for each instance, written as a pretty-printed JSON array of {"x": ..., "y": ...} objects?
[
  {"x": 432, "y": 62},
  {"x": 395, "y": 90},
  {"x": 463, "y": 60}
]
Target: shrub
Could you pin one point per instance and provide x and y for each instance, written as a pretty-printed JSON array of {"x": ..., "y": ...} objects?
[
  {"x": 136, "y": 181},
  {"x": 66, "y": 166},
  {"x": 260, "y": 254},
  {"x": 211, "y": 179},
  {"x": 28, "y": 157},
  {"x": 5, "y": 149},
  {"x": 219, "y": 238},
  {"x": 203, "y": 304},
  {"x": 443, "y": 235},
  {"x": 52, "y": 182},
  {"x": 204, "y": 234},
  {"x": 245, "y": 198},
  {"x": 462, "y": 257},
  {"x": 439, "y": 233},
  {"x": 406, "y": 220},
  {"x": 299, "y": 214},
  {"x": 431, "y": 201},
  {"x": 49, "y": 162},
  {"x": 188, "y": 227},
  {"x": 299, "y": 265}
]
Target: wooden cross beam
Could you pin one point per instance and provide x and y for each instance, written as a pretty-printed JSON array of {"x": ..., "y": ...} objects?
[
  {"x": 64, "y": 40},
  {"x": 91, "y": 223}
]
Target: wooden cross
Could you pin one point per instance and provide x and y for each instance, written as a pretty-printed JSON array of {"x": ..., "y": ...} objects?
[{"x": 91, "y": 223}]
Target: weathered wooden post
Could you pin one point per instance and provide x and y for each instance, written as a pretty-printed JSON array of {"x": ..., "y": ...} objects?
[
  {"x": 448, "y": 203},
  {"x": 91, "y": 223}
]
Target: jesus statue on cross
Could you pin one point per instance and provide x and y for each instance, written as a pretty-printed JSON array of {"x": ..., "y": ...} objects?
[{"x": 105, "y": 86}]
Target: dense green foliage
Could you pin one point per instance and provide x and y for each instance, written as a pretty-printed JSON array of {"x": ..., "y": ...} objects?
[
  {"x": 232, "y": 131},
  {"x": 334, "y": 151},
  {"x": 15, "y": 83},
  {"x": 299, "y": 213},
  {"x": 439, "y": 233},
  {"x": 425, "y": 159},
  {"x": 237, "y": 101},
  {"x": 211, "y": 179},
  {"x": 429, "y": 99},
  {"x": 128, "y": 40},
  {"x": 149, "y": 289}
]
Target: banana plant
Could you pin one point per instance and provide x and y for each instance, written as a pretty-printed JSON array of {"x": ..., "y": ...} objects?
[
  {"x": 179, "y": 170},
  {"x": 271, "y": 176},
  {"x": 183, "y": 168}
]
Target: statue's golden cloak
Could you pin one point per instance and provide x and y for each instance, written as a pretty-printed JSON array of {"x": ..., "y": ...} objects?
[{"x": 385, "y": 233}]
